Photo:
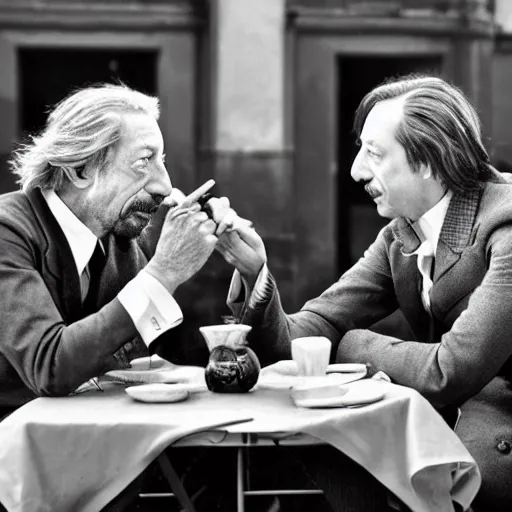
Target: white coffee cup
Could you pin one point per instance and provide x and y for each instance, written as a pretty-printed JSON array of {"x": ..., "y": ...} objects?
[{"x": 311, "y": 354}]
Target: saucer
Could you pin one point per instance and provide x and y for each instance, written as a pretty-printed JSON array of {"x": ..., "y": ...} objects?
[
  {"x": 279, "y": 381},
  {"x": 160, "y": 371},
  {"x": 159, "y": 393},
  {"x": 347, "y": 368},
  {"x": 333, "y": 395},
  {"x": 346, "y": 400}
]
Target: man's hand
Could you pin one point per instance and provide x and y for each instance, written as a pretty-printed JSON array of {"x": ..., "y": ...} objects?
[
  {"x": 186, "y": 242},
  {"x": 224, "y": 216},
  {"x": 244, "y": 249}
]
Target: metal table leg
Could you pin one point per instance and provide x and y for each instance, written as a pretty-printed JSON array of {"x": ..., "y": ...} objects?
[
  {"x": 175, "y": 483},
  {"x": 240, "y": 479}
]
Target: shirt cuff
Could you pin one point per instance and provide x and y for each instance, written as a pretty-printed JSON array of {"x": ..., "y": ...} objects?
[
  {"x": 239, "y": 297},
  {"x": 262, "y": 288},
  {"x": 151, "y": 307}
]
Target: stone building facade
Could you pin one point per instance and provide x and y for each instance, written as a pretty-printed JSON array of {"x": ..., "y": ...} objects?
[{"x": 259, "y": 95}]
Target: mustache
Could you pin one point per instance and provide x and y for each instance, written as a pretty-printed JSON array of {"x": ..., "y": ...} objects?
[
  {"x": 145, "y": 206},
  {"x": 371, "y": 191}
]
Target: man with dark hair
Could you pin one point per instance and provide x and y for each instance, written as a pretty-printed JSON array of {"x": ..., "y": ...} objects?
[{"x": 444, "y": 260}]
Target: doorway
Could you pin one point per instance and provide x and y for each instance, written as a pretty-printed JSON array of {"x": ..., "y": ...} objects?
[
  {"x": 48, "y": 75},
  {"x": 358, "y": 220}
]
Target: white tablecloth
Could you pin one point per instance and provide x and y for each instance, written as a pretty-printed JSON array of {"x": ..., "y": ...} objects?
[{"x": 77, "y": 453}]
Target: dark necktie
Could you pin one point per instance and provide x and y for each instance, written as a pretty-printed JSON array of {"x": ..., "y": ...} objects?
[{"x": 96, "y": 264}]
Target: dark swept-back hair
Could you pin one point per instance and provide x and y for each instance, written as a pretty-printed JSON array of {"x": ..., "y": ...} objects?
[{"x": 440, "y": 128}]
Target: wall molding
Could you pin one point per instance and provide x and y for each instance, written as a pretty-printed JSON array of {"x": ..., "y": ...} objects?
[
  {"x": 336, "y": 20},
  {"x": 101, "y": 16}
]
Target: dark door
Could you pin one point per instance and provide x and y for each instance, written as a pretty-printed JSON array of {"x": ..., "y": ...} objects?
[{"x": 48, "y": 75}]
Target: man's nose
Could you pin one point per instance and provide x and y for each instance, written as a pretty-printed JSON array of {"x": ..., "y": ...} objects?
[
  {"x": 160, "y": 183},
  {"x": 359, "y": 170}
]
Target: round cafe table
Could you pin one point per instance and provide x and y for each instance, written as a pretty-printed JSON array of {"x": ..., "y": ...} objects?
[{"x": 77, "y": 453}]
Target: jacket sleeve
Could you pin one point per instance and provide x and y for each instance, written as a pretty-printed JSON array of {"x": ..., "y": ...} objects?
[
  {"x": 51, "y": 358},
  {"x": 361, "y": 297},
  {"x": 468, "y": 356}
]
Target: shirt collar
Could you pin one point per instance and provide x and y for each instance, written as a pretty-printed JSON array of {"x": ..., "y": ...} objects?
[
  {"x": 81, "y": 239},
  {"x": 431, "y": 222}
]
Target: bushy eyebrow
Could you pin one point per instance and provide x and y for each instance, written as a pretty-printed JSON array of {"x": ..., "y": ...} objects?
[
  {"x": 371, "y": 142},
  {"x": 147, "y": 147},
  {"x": 154, "y": 148}
]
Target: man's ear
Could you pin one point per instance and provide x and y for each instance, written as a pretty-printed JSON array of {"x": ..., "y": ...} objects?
[
  {"x": 426, "y": 171},
  {"x": 80, "y": 177}
]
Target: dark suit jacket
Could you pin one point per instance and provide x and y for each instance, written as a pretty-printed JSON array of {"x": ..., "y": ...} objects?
[
  {"x": 46, "y": 346},
  {"x": 461, "y": 352}
]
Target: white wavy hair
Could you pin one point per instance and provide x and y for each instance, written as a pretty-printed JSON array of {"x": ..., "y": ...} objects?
[{"x": 78, "y": 134}]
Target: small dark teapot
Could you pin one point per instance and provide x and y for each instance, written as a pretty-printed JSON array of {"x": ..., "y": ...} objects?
[{"x": 232, "y": 366}]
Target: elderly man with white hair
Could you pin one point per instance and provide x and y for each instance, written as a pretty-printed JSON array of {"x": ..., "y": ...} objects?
[{"x": 92, "y": 252}]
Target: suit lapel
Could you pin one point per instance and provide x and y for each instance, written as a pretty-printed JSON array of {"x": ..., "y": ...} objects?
[
  {"x": 58, "y": 266},
  {"x": 456, "y": 232},
  {"x": 408, "y": 238},
  {"x": 455, "y": 236},
  {"x": 408, "y": 281}
]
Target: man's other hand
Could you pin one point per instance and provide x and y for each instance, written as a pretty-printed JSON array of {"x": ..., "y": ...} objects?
[
  {"x": 186, "y": 242},
  {"x": 244, "y": 249}
]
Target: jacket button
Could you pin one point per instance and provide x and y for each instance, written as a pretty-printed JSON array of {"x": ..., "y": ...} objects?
[{"x": 504, "y": 447}]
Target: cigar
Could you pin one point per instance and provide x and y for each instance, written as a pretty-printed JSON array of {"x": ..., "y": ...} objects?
[
  {"x": 202, "y": 195},
  {"x": 203, "y": 201},
  {"x": 198, "y": 192}
]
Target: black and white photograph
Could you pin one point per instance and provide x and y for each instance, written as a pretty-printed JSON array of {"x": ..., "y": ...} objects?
[{"x": 255, "y": 256}]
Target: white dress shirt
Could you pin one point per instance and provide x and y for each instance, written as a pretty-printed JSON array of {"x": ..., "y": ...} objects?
[
  {"x": 431, "y": 224},
  {"x": 151, "y": 307}
]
